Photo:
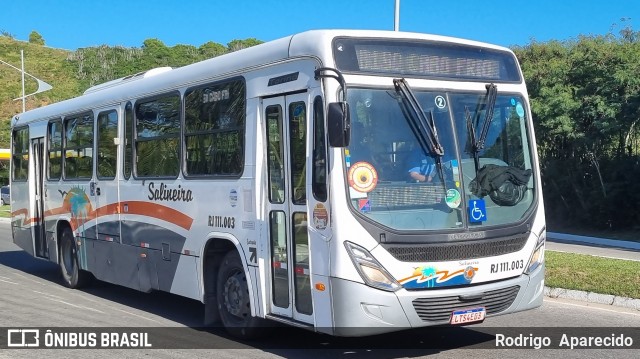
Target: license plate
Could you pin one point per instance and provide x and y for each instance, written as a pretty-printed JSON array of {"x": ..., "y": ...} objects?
[{"x": 468, "y": 316}]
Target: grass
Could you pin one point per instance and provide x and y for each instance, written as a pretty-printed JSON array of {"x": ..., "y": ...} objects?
[
  {"x": 593, "y": 274},
  {"x": 5, "y": 211}
]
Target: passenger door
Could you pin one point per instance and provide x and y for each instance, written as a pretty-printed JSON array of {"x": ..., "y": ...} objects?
[
  {"x": 286, "y": 123},
  {"x": 40, "y": 241},
  {"x": 105, "y": 186}
]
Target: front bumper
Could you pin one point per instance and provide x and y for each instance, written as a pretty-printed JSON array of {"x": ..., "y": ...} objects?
[{"x": 361, "y": 310}]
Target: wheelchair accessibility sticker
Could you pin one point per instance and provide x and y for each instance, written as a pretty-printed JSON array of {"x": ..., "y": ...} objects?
[{"x": 477, "y": 211}]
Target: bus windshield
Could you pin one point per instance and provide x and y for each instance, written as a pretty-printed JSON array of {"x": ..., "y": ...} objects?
[{"x": 482, "y": 178}]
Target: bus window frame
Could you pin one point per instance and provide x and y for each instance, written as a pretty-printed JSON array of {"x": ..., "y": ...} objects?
[
  {"x": 128, "y": 140},
  {"x": 13, "y": 153},
  {"x": 78, "y": 115},
  {"x": 97, "y": 145},
  {"x": 242, "y": 132},
  {"x": 134, "y": 149},
  {"x": 61, "y": 149}
]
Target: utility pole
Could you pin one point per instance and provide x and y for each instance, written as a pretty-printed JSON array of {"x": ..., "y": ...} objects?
[
  {"x": 22, "y": 71},
  {"x": 396, "y": 23},
  {"x": 42, "y": 86}
]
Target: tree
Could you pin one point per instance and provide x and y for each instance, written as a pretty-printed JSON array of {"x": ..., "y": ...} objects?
[
  {"x": 212, "y": 49},
  {"x": 36, "y": 38},
  {"x": 585, "y": 99},
  {"x": 236, "y": 45}
]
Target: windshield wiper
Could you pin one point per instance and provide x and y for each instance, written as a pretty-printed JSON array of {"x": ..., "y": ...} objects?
[
  {"x": 477, "y": 143},
  {"x": 423, "y": 126}
]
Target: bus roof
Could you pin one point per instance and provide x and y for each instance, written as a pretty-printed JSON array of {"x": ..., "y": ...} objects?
[{"x": 313, "y": 43}]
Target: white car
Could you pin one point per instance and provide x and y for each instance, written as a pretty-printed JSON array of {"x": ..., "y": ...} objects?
[{"x": 5, "y": 198}]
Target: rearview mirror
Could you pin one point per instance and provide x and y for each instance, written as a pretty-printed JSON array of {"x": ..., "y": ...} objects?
[{"x": 339, "y": 124}]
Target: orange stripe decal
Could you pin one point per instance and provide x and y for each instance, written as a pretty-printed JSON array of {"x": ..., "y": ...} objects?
[
  {"x": 157, "y": 211},
  {"x": 19, "y": 212},
  {"x": 131, "y": 207}
]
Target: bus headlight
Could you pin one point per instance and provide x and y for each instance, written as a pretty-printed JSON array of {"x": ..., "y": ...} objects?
[
  {"x": 538, "y": 254},
  {"x": 370, "y": 269}
]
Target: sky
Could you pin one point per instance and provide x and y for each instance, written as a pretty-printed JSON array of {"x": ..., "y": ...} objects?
[{"x": 72, "y": 24}]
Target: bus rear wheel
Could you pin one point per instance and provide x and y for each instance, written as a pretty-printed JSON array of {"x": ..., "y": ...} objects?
[
  {"x": 234, "y": 305},
  {"x": 72, "y": 275}
]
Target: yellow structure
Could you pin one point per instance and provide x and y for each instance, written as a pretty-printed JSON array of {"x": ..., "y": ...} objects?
[{"x": 5, "y": 154}]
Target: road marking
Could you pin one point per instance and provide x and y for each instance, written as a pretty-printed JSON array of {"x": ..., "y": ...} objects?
[
  {"x": 136, "y": 315},
  {"x": 48, "y": 295},
  {"x": 598, "y": 308},
  {"x": 59, "y": 299},
  {"x": 31, "y": 279},
  {"x": 75, "y": 306}
]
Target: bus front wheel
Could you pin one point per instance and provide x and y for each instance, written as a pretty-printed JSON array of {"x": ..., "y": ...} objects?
[
  {"x": 72, "y": 275},
  {"x": 232, "y": 293}
]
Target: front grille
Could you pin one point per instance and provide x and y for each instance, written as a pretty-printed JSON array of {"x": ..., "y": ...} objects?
[
  {"x": 455, "y": 251},
  {"x": 439, "y": 309}
]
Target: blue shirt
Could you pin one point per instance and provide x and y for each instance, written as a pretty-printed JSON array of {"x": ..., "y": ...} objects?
[{"x": 422, "y": 164}]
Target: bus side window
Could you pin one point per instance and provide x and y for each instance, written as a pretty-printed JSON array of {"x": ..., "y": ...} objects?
[
  {"x": 297, "y": 135},
  {"x": 319, "y": 170}
]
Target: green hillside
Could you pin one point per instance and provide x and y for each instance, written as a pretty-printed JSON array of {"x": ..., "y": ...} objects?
[
  {"x": 72, "y": 72},
  {"x": 47, "y": 64}
]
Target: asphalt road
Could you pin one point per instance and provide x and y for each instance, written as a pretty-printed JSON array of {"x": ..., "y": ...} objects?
[
  {"x": 31, "y": 296},
  {"x": 594, "y": 250}
]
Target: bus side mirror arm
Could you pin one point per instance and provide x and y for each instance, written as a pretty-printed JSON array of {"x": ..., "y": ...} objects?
[{"x": 338, "y": 117}]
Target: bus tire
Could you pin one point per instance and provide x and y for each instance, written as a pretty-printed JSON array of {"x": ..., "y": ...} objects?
[
  {"x": 234, "y": 305},
  {"x": 72, "y": 275}
]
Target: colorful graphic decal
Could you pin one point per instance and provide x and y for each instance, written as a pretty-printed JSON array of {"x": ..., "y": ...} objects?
[
  {"x": 320, "y": 216},
  {"x": 364, "y": 205},
  {"x": 430, "y": 277},
  {"x": 453, "y": 198},
  {"x": 78, "y": 204},
  {"x": 362, "y": 177}
]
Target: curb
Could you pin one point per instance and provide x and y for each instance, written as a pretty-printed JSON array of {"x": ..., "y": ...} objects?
[
  {"x": 591, "y": 297},
  {"x": 594, "y": 241}
]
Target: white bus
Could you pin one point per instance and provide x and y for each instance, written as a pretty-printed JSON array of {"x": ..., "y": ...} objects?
[{"x": 276, "y": 183}]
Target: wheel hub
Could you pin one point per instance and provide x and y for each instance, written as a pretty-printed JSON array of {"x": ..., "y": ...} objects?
[{"x": 235, "y": 295}]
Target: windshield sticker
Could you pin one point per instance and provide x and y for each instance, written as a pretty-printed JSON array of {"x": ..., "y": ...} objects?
[
  {"x": 364, "y": 205},
  {"x": 519, "y": 109},
  {"x": 453, "y": 198},
  {"x": 455, "y": 169},
  {"x": 362, "y": 177},
  {"x": 347, "y": 157},
  {"x": 320, "y": 216},
  {"x": 477, "y": 211},
  {"x": 430, "y": 277},
  {"x": 441, "y": 103}
]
